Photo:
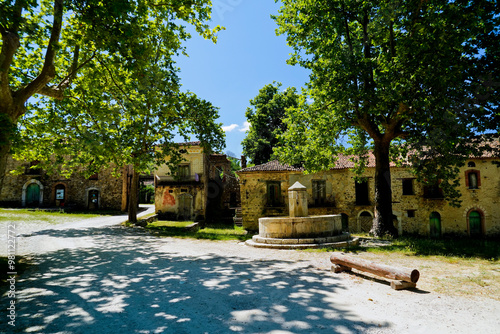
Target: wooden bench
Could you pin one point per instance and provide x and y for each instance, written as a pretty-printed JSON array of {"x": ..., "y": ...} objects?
[{"x": 402, "y": 278}]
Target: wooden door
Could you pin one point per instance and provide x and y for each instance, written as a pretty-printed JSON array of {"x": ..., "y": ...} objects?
[
  {"x": 185, "y": 207},
  {"x": 475, "y": 224},
  {"x": 33, "y": 195},
  {"x": 435, "y": 225}
]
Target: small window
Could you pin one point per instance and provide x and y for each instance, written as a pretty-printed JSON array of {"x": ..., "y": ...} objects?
[
  {"x": 433, "y": 191},
  {"x": 362, "y": 197},
  {"x": 410, "y": 213},
  {"x": 33, "y": 169},
  {"x": 274, "y": 194},
  {"x": 408, "y": 187},
  {"x": 319, "y": 192},
  {"x": 183, "y": 172},
  {"x": 184, "y": 190},
  {"x": 472, "y": 179},
  {"x": 471, "y": 164}
]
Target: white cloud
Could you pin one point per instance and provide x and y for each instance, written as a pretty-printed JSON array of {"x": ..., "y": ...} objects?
[
  {"x": 246, "y": 126},
  {"x": 230, "y": 128}
]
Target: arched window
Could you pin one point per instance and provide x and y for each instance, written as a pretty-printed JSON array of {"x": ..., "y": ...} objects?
[
  {"x": 475, "y": 224},
  {"x": 60, "y": 194},
  {"x": 471, "y": 164},
  {"x": 435, "y": 224}
]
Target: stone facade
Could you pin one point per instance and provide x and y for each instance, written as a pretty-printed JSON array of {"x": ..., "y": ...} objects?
[
  {"x": 35, "y": 188},
  {"x": 200, "y": 190},
  {"x": 416, "y": 208}
]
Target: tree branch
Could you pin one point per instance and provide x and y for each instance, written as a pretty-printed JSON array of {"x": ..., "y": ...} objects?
[{"x": 48, "y": 70}]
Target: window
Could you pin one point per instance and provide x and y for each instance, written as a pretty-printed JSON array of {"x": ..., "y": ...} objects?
[
  {"x": 410, "y": 213},
  {"x": 319, "y": 192},
  {"x": 472, "y": 179},
  {"x": 433, "y": 191},
  {"x": 32, "y": 169},
  {"x": 183, "y": 172},
  {"x": 408, "y": 187},
  {"x": 362, "y": 197},
  {"x": 274, "y": 193},
  {"x": 471, "y": 164}
]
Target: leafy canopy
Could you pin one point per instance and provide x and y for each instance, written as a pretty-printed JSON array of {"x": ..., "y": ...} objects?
[
  {"x": 418, "y": 74},
  {"x": 266, "y": 121}
]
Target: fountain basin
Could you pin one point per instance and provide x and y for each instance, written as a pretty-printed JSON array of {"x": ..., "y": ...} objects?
[{"x": 300, "y": 227}]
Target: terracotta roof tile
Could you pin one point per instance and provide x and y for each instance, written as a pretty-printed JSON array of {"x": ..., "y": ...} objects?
[{"x": 272, "y": 166}]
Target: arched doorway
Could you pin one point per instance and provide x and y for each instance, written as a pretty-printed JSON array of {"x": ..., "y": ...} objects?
[
  {"x": 365, "y": 222},
  {"x": 32, "y": 194},
  {"x": 435, "y": 225},
  {"x": 93, "y": 199},
  {"x": 475, "y": 224},
  {"x": 60, "y": 194}
]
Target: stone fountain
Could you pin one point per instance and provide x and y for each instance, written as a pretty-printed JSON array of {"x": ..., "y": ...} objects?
[{"x": 299, "y": 230}]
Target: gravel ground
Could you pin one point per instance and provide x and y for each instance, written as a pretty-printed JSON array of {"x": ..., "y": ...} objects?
[{"x": 110, "y": 279}]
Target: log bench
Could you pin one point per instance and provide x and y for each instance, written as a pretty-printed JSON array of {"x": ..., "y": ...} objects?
[{"x": 401, "y": 278}]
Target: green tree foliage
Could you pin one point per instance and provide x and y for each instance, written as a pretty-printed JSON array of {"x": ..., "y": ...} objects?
[
  {"x": 265, "y": 117},
  {"x": 45, "y": 45},
  {"x": 403, "y": 78},
  {"x": 116, "y": 115}
]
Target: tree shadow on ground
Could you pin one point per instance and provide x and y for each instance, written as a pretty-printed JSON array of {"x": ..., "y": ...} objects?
[{"x": 125, "y": 282}]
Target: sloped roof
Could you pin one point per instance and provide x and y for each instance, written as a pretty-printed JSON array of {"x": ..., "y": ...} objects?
[
  {"x": 343, "y": 162},
  {"x": 272, "y": 166}
]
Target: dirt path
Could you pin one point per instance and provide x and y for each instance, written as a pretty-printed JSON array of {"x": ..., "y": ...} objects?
[{"x": 119, "y": 280}]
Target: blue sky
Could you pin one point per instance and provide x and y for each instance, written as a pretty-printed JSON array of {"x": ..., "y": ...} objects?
[{"x": 247, "y": 56}]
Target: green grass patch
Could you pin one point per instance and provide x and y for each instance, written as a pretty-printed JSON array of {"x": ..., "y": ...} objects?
[
  {"x": 33, "y": 216},
  {"x": 209, "y": 232},
  {"x": 446, "y": 247}
]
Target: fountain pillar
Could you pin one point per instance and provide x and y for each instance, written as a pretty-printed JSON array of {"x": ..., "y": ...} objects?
[{"x": 297, "y": 200}]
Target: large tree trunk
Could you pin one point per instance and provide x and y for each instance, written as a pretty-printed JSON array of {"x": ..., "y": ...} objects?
[
  {"x": 382, "y": 223},
  {"x": 7, "y": 127},
  {"x": 133, "y": 198}
]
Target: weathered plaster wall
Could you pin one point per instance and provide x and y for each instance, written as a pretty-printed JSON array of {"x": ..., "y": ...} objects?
[{"x": 186, "y": 198}]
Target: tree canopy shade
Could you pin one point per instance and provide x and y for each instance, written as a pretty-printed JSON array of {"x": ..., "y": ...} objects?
[
  {"x": 421, "y": 74},
  {"x": 46, "y": 44},
  {"x": 266, "y": 121}
]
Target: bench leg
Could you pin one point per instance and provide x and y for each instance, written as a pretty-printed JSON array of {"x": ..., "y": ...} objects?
[{"x": 399, "y": 285}]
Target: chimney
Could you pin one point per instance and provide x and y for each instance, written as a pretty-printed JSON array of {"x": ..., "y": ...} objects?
[{"x": 243, "y": 162}]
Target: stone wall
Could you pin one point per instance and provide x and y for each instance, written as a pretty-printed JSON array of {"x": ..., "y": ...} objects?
[
  {"x": 77, "y": 189},
  {"x": 412, "y": 211}
]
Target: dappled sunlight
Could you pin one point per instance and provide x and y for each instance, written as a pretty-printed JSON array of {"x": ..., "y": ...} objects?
[{"x": 132, "y": 283}]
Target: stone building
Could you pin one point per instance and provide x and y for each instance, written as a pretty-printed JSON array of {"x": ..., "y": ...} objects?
[
  {"x": 416, "y": 209},
  {"x": 202, "y": 188},
  {"x": 35, "y": 188}
]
